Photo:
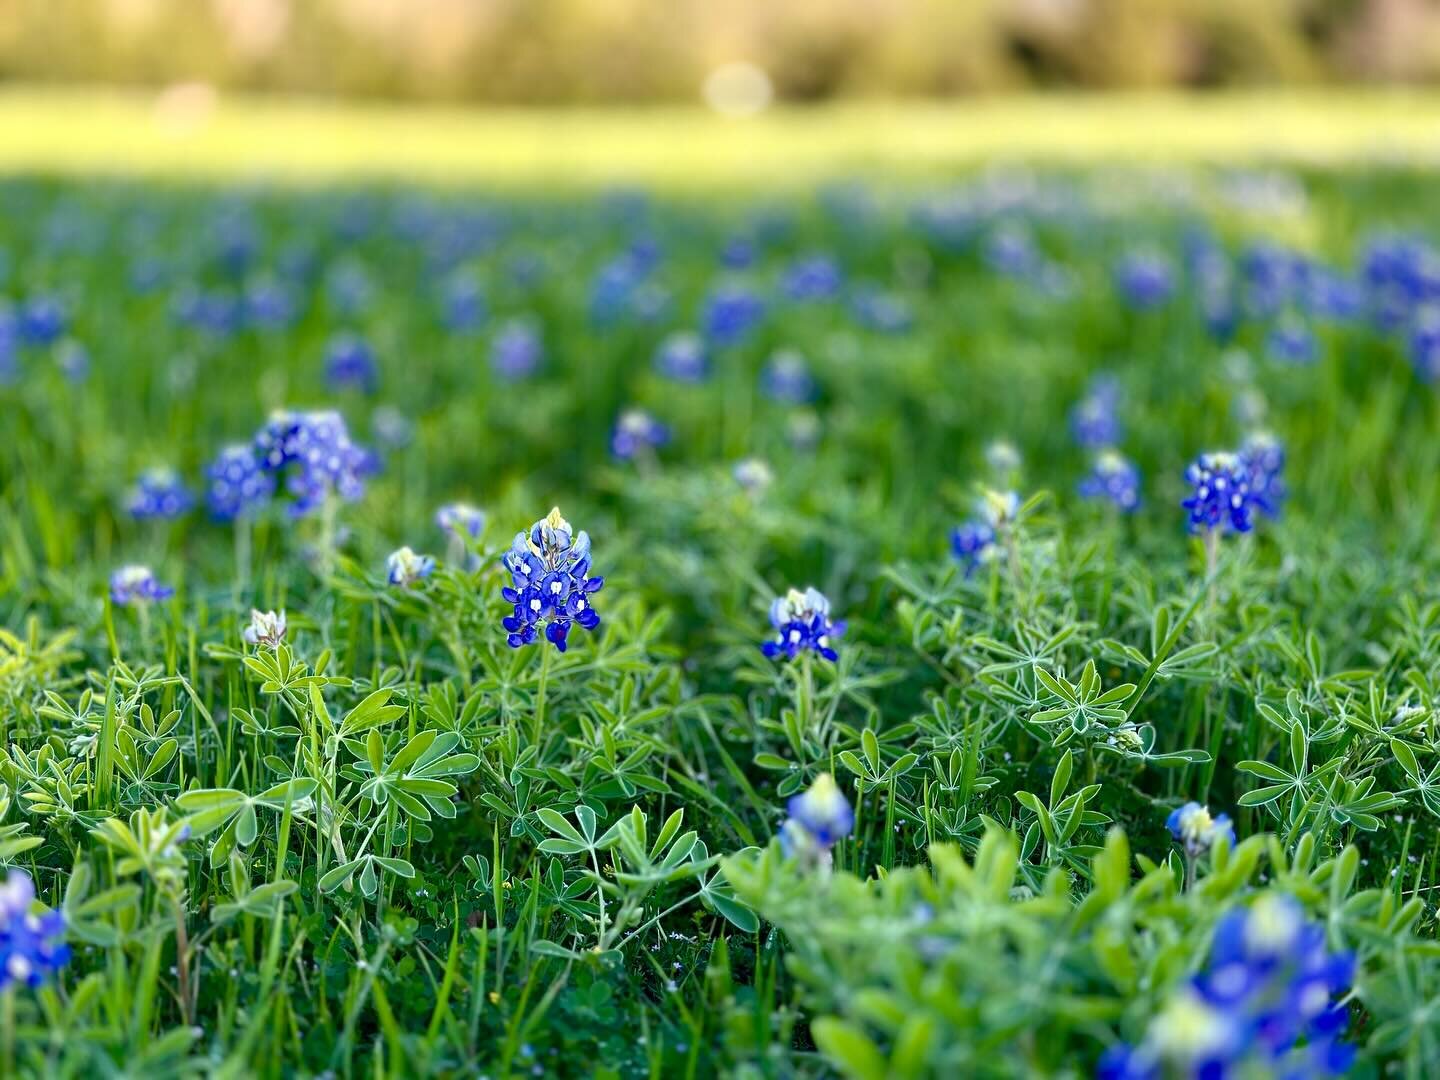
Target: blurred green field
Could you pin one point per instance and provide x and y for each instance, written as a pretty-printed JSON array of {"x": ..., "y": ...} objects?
[{"x": 193, "y": 134}]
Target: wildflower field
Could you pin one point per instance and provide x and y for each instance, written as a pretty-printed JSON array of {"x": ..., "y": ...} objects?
[{"x": 987, "y": 627}]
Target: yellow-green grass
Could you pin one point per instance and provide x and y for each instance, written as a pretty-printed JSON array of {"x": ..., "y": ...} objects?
[{"x": 189, "y": 135}]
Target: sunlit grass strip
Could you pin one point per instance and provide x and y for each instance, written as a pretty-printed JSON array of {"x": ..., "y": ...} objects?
[{"x": 191, "y": 134}]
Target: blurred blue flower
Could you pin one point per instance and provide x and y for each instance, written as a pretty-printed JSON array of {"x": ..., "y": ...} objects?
[
  {"x": 268, "y": 305},
  {"x": 32, "y": 942},
  {"x": 787, "y": 379},
  {"x": 134, "y": 584},
  {"x": 550, "y": 583},
  {"x": 159, "y": 494},
  {"x": 1425, "y": 344},
  {"x": 1264, "y": 458},
  {"x": 42, "y": 321},
  {"x": 814, "y": 277},
  {"x": 802, "y": 624},
  {"x": 462, "y": 304},
  {"x": 732, "y": 310},
  {"x": 73, "y": 360},
  {"x": 515, "y": 350},
  {"x": 753, "y": 475},
  {"x": 1193, "y": 826},
  {"x": 1270, "y": 1002},
  {"x": 1094, "y": 420},
  {"x": 350, "y": 362},
  {"x": 236, "y": 484},
  {"x": 315, "y": 451},
  {"x": 460, "y": 519},
  {"x": 1145, "y": 279},
  {"x": 637, "y": 433},
  {"x": 681, "y": 356},
  {"x": 881, "y": 311},
  {"x": 1113, "y": 478},
  {"x": 1291, "y": 341},
  {"x": 819, "y": 818}
]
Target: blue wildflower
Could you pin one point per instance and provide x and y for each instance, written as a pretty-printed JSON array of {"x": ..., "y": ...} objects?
[
  {"x": 1094, "y": 420},
  {"x": 159, "y": 494},
  {"x": 1264, "y": 457},
  {"x": 315, "y": 450},
  {"x": 237, "y": 485},
  {"x": 1113, "y": 478},
  {"x": 971, "y": 543},
  {"x": 681, "y": 357},
  {"x": 819, "y": 818},
  {"x": 461, "y": 519},
  {"x": 802, "y": 624},
  {"x": 731, "y": 311},
  {"x": 1145, "y": 279},
  {"x": 463, "y": 304},
  {"x": 1220, "y": 495},
  {"x": 350, "y": 362},
  {"x": 881, "y": 311},
  {"x": 1292, "y": 342},
  {"x": 1425, "y": 344},
  {"x": 815, "y": 277},
  {"x": 131, "y": 585},
  {"x": 515, "y": 350},
  {"x": 1269, "y": 1003},
  {"x": 753, "y": 475},
  {"x": 31, "y": 943},
  {"x": 1193, "y": 826},
  {"x": 42, "y": 321},
  {"x": 738, "y": 253},
  {"x": 1010, "y": 251},
  {"x": 637, "y": 433},
  {"x": 787, "y": 379},
  {"x": 268, "y": 305},
  {"x": 404, "y": 568},
  {"x": 550, "y": 583}
]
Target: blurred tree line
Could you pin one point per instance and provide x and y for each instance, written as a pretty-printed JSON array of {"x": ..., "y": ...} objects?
[{"x": 644, "y": 50}]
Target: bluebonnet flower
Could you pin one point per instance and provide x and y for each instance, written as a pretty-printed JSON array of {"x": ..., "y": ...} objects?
[
  {"x": 550, "y": 584},
  {"x": 265, "y": 628},
  {"x": 73, "y": 360},
  {"x": 349, "y": 287},
  {"x": 802, "y": 624},
  {"x": 159, "y": 494},
  {"x": 404, "y": 568},
  {"x": 1113, "y": 478},
  {"x": 1220, "y": 495},
  {"x": 637, "y": 433},
  {"x": 681, "y": 357},
  {"x": 316, "y": 450},
  {"x": 1425, "y": 344},
  {"x": 738, "y": 253},
  {"x": 1145, "y": 279},
  {"x": 515, "y": 350},
  {"x": 786, "y": 378},
  {"x": 1269, "y": 1003},
  {"x": 268, "y": 305},
  {"x": 1331, "y": 295},
  {"x": 819, "y": 818},
  {"x": 972, "y": 543},
  {"x": 42, "y": 321},
  {"x": 881, "y": 311},
  {"x": 1264, "y": 457},
  {"x": 236, "y": 484},
  {"x": 1272, "y": 277},
  {"x": 463, "y": 304},
  {"x": 131, "y": 585},
  {"x": 731, "y": 311},
  {"x": 9, "y": 346},
  {"x": 753, "y": 475},
  {"x": 31, "y": 943},
  {"x": 1292, "y": 342},
  {"x": 349, "y": 361},
  {"x": 1010, "y": 251},
  {"x": 1193, "y": 826},
  {"x": 1094, "y": 420},
  {"x": 1002, "y": 458},
  {"x": 216, "y": 313},
  {"x": 815, "y": 277},
  {"x": 461, "y": 519}
]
